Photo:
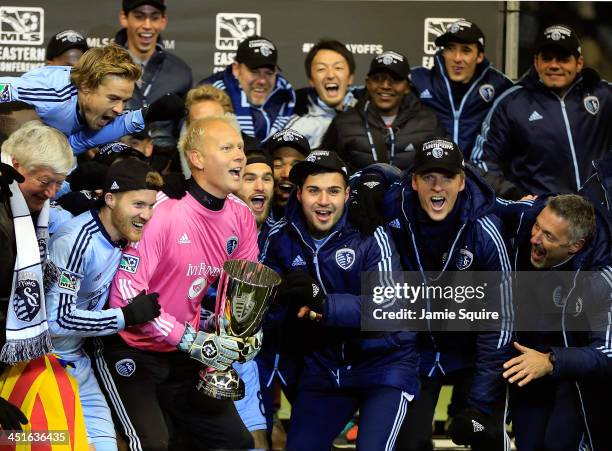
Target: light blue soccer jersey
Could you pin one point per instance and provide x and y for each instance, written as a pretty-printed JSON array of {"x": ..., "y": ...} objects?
[
  {"x": 86, "y": 260},
  {"x": 50, "y": 91}
]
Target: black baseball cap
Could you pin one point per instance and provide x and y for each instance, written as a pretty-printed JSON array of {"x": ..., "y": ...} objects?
[
  {"x": 559, "y": 36},
  {"x": 65, "y": 40},
  {"x": 257, "y": 52},
  {"x": 289, "y": 138},
  {"x": 438, "y": 153},
  {"x": 128, "y": 175},
  {"x": 317, "y": 159},
  {"x": 462, "y": 31},
  {"x": 259, "y": 156},
  {"x": 393, "y": 62},
  {"x": 129, "y": 5}
]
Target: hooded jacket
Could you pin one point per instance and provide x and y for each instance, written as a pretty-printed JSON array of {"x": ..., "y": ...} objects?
[
  {"x": 477, "y": 246},
  {"x": 163, "y": 73},
  {"x": 263, "y": 121},
  {"x": 360, "y": 136},
  {"x": 338, "y": 353},
  {"x": 464, "y": 121},
  {"x": 543, "y": 143}
]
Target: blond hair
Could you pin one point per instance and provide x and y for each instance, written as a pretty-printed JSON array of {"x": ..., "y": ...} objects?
[
  {"x": 208, "y": 93},
  {"x": 35, "y": 145},
  {"x": 100, "y": 62},
  {"x": 197, "y": 129}
]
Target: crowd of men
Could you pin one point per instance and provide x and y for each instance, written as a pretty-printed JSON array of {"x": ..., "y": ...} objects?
[{"x": 124, "y": 189}]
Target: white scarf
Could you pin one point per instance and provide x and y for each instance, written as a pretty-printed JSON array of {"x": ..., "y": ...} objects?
[{"x": 27, "y": 331}]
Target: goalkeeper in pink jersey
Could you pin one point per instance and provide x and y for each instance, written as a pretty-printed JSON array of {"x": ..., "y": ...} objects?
[{"x": 147, "y": 371}]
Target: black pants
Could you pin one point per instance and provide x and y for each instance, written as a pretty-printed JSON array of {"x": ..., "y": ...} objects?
[
  {"x": 415, "y": 434},
  {"x": 146, "y": 389}
]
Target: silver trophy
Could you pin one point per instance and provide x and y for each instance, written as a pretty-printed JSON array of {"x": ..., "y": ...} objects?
[{"x": 246, "y": 290}]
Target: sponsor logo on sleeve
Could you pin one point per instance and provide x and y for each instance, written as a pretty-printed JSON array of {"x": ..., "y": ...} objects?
[
  {"x": 129, "y": 263},
  {"x": 68, "y": 281}
]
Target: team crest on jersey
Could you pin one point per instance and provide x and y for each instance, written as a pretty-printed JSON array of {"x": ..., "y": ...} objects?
[
  {"x": 68, "y": 281},
  {"x": 591, "y": 104},
  {"x": 487, "y": 92},
  {"x": 197, "y": 286},
  {"x": 558, "y": 297},
  {"x": 464, "y": 259},
  {"x": 578, "y": 307},
  {"x": 231, "y": 245},
  {"x": 125, "y": 367},
  {"x": 345, "y": 257},
  {"x": 27, "y": 296},
  {"x": 129, "y": 263},
  {"x": 5, "y": 93}
]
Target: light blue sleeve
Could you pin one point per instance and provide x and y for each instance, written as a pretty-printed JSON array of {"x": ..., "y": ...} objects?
[{"x": 125, "y": 124}]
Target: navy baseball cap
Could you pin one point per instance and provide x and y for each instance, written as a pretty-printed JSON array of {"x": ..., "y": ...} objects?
[
  {"x": 289, "y": 138},
  {"x": 317, "y": 159},
  {"x": 129, "y": 5},
  {"x": 462, "y": 31},
  {"x": 64, "y": 41},
  {"x": 559, "y": 36},
  {"x": 438, "y": 154},
  {"x": 128, "y": 175},
  {"x": 392, "y": 62},
  {"x": 257, "y": 52}
]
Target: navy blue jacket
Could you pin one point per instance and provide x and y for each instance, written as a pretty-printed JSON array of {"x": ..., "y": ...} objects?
[
  {"x": 340, "y": 354},
  {"x": 479, "y": 238},
  {"x": 462, "y": 123},
  {"x": 583, "y": 351},
  {"x": 263, "y": 121},
  {"x": 543, "y": 143}
]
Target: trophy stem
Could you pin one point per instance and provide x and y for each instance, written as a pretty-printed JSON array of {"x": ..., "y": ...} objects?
[{"x": 224, "y": 385}]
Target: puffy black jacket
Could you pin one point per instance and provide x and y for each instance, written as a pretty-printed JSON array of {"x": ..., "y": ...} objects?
[
  {"x": 163, "y": 73},
  {"x": 348, "y": 134}
]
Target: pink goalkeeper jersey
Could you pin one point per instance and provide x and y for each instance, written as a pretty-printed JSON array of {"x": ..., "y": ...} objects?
[{"x": 182, "y": 251}]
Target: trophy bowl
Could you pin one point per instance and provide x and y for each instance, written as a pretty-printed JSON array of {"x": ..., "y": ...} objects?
[{"x": 246, "y": 290}]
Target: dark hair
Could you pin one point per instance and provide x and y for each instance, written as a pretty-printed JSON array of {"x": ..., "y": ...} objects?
[
  {"x": 16, "y": 105},
  {"x": 334, "y": 46},
  {"x": 322, "y": 170}
]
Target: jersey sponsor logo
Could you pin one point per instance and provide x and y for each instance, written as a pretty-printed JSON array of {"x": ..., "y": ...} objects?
[
  {"x": 22, "y": 25},
  {"x": 27, "y": 296},
  {"x": 197, "y": 286},
  {"x": 464, "y": 259},
  {"x": 184, "y": 239},
  {"x": 243, "y": 305},
  {"x": 231, "y": 245},
  {"x": 68, "y": 281},
  {"x": 591, "y": 104},
  {"x": 125, "y": 367},
  {"x": 345, "y": 257},
  {"x": 535, "y": 116},
  {"x": 5, "y": 93},
  {"x": 129, "y": 263},
  {"x": 298, "y": 261},
  {"x": 487, "y": 92}
]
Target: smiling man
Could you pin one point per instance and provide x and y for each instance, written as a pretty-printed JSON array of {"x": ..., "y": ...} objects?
[
  {"x": 389, "y": 124},
  {"x": 142, "y": 22},
  {"x": 87, "y": 102},
  {"x": 180, "y": 255},
  {"x": 560, "y": 373},
  {"x": 543, "y": 133},
  {"x": 322, "y": 257},
  {"x": 262, "y": 98},
  {"x": 86, "y": 253},
  {"x": 257, "y": 187},
  {"x": 443, "y": 221},
  {"x": 330, "y": 68},
  {"x": 462, "y": 85}
]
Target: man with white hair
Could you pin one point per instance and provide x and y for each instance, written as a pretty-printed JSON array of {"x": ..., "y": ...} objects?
[{"x": 35, "y": 161}]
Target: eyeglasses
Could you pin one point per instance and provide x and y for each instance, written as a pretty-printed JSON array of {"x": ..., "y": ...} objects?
[{"x": 46, "y": 183}]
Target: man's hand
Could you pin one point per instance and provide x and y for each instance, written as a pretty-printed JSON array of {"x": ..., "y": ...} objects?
[
  {"x": 10, "y": 416},
  {"x": 251, "y": 346},
  {"x": 216, "y": 351},
  {"x": 530, "y": 365},
  {"x": 169, "y": 107},
  {"x": 365, "y": 207},
  {"x": 141, "y": 309},
  {"x": 299, "y": 289}
]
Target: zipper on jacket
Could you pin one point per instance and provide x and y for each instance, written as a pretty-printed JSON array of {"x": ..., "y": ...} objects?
[{"x": 571, "y": 143}]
